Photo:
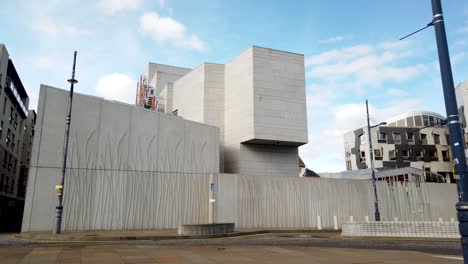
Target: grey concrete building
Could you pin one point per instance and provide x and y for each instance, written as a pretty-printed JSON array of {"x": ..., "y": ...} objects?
[
  {"x": 461, "y": 92},
  {"x": 16, "y": 134},
  {"x": 414, "y": 139},
  {"x": 257, "y": 100}
]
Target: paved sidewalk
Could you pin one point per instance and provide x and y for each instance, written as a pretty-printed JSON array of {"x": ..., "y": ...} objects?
[
  {"x": 161, "y": 234},
  {"x": 213, "y": 254}
]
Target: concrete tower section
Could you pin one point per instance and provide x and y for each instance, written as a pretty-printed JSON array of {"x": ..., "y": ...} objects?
[
  {"x": 258, "y": 101},
  {"x": 265, "y": 112},
  {"x": 153, "y": 81}
]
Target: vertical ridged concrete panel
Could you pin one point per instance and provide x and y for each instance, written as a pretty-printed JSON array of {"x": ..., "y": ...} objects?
[
  {"x": 128, "y": 168},
  {"x": 286, "y": 202}
]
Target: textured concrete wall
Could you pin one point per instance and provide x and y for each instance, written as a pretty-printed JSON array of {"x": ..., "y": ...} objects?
[
  {"x": 121, "y": 159},
  {"x": 287, "y": 202},
  {"x": 280, "y": 112},
  {"x": 199, "y": 96},
  {"x": 189, "y": 93},
  {"x": 159, "y": 74}
]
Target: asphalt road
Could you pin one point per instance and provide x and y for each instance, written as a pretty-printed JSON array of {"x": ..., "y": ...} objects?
[{"x": 300, "y": 240}]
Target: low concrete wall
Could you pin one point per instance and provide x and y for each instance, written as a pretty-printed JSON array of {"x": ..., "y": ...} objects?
[
  {"x": 205, "y": 229},
  {"x": 401, "y": 229}
]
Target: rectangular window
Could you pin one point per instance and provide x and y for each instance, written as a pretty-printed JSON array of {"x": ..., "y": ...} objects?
[
  {"x": 363, "y": 156},
  {"x": 8, "y": 139},
  {"x": 4, "y": 105},
  {"x": 436, "y": 139},
  {"x": 431, "y": 120},
  {"x": 401, "y": 123},
  {"x": 392, "y": 154},
  {"x": 410, "y": 121},
  {"x": 377, "y": 153},
  {"x": 11, "y": 115},
  {"x": 445, "y": 155},
  {"x": 406, "y": 154},
  {"x": 397, "y": 138},
  {"x": 433, "y": 155},
  {"x": 382, "y": 136},
  {"x": 420, "y": 157},
  {"x": 410, "y": 138},
  {"x": 424, "y": 139},
  {"x": 448, "y": 139},
  {"x": 13, "y": 142},
  {"x": 425, "y": 120},
  {"x": 417, "y": 121}
]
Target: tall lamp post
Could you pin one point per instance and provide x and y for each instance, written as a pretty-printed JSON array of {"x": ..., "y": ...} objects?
[
  {"x": 371, "y": 155},
  {"x": 59, "y": 208},
  {"x": 453, "y": 123}
]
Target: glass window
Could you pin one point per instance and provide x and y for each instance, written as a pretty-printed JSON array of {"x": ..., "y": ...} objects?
[
  {"x": 424, "y": 139},
  {"x": 4, "y": 105},
  {"x": 425, "y": 120},
  {"x": 410, "y": 121},
  {"x": 436, "y": 139},
  {"x": 391, "y": 154},
  {"x": 401, "y": 123},
  {"x": 397, "y": 138},
  {"x": 382, "y": 136},
  {"x": 418, "y": 121},
  {"x": 431, "y": 120},
  {"x": 377, "y": 153}
]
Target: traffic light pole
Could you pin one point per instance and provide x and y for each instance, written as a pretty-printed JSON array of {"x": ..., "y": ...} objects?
[{"x": 453, "y": 124}]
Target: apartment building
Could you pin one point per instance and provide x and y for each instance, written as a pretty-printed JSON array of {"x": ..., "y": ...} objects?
[
  {"x": 257, "y": 99},
  {"x": 16, "y": 134},
  {"x": 415, "y": 139}
]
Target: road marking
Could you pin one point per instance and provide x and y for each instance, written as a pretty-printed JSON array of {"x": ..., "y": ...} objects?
[{"x": 448, "y": 257}]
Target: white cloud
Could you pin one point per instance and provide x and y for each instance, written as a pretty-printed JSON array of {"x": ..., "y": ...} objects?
[
  {"x": 461, "y": 42},
  {"x": 111, "y": 7},
  {"x": 363, "y": 65},
  {"x": 334, "y": 39},
  {"x": 42, "y": 62},
  {"x": 463, "y": 29},
  {"x": 117, "y": 86},
  {"x": 458, "y": 57},
  {"x": 47, "y": 26},
  {"x": 166, "y": 30},
  {"x": 396, "y": 92}
]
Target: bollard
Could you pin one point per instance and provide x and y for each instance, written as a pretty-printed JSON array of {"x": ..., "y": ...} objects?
[
  {"x": 367, "y": 219},
  {"x": 319, "y": 222},
  {"x": 335, "y": 222}
]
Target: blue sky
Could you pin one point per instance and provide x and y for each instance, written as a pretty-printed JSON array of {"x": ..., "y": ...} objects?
[{"x": 351, "y": 50}]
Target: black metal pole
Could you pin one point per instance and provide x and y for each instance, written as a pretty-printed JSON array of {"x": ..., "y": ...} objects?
[
  {"x": 371, "y": 155},
  {"x": 453, "y": 123},
  {"x": 59, "y": 207}
]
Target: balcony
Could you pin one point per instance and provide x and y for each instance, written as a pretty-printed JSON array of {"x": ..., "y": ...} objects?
[{"x": 11, "y": 89}]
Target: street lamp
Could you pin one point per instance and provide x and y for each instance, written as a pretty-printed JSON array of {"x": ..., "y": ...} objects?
[{"x": 371, "y": 154}]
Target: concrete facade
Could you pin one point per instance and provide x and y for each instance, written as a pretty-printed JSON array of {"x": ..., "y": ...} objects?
[
  {"x": 257, "y": 100},
  {"x": 404, "y": 142},
  {"x": 298, "y": 202},
  {"x": 16, "y": 132},
  {"x": 153, "y": 81},
  {"x": 128, "y": 167},
  {"x": 461, "y": 92}
]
